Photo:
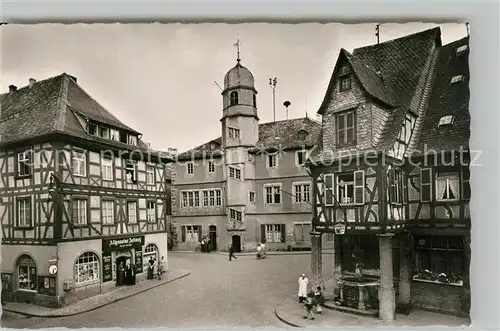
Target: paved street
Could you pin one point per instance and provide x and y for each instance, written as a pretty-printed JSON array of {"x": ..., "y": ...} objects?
[{"x": 218, "y": 293}]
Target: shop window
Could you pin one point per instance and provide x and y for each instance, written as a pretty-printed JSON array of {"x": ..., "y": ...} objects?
[
  {"x": 86, "y": 268},
  {"x": 151, "y": 251},
  {"x": 27, "y": 276}
]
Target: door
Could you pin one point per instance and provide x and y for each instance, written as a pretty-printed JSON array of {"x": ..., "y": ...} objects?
[
  {"x": 120, "y": 270},
  {"x": 213, "y": 238},
  {"x": 236, "y": 243}
]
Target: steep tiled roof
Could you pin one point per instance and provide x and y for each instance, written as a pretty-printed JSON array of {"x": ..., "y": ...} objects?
[
  {"x": 50, "y": 106},
  {"x": 280, "y": 135},
  {"x": 448, "y": 99}
]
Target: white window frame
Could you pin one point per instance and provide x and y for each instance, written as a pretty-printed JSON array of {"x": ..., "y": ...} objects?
[
  {"x": 129, "y": 166},
  {"x": 29, "y": 264},
  {"x": 108, "y": 212},
  {"x": 272, "y": 160},
  {"x": 234, "y": 133},
  {"x": 114, "y": 134},
  {"x": 344, "y": 118},
  {"x": 273, "y": 233},
  {"x": 235, "y": 215},
  {"x": 24, "y": 212},
  {"x": 150, "y": 175},
  {"x": 86, "y": 262},
  {"x": 275, "y": 188},
  {"x": 234, "y": 172},
  {"x": 206, "y": 201},
  {"x": 150, "y": 250},
  {"x": 192, "y": 235},
  {"x": 79, "y": 164},
  {"x": 251, "y": 197},
  {"x": 447, "y": 177},
  {"x": 457, "y": 78},
  {"x": 151, "y": 211},
  {"x": 446, "y": 120},
  {"x": 107, "y": 169},
  {"x": 300, "y": 193},
  {"x": 354, "y": 187},
  {"x": 190, "y": 168},
  {"x": 24, "y": 163},
  {"x": 211, "y": 167},
  {"x": 104, "y": 132},
  {"x": 132, "y": 212},
  {"x": 132, "y": 140},
  {"x": 81, "y": 211},
  {"x": 218, "y": 198},
  {"x": 305, "y": 154}
]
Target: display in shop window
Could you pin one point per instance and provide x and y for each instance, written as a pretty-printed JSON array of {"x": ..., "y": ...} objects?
[
  {"x": 27, "y": 278},
  {"x": 434, "y": 277}
]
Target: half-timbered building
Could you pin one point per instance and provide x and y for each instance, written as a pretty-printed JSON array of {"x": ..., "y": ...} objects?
[
  {"x": 391, "y": 180},
  {"x": 80, "y": 193}
]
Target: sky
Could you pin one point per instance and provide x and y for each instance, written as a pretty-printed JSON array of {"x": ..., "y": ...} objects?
[{"x": 160, "y": 78}]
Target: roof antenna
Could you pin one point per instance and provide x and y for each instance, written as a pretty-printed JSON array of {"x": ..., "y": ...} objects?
[
  {"x": 377, "y": 33},
  {"x": 237, "y": 45},
  {"x": 287, "y": 104},
  {"x": 468, "y": 28}
]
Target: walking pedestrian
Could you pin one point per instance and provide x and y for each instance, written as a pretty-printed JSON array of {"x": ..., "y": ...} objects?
[
  {"x": 161, "y": 266},
  {"x": 319, "y": 299},
  {"x": 231, "y": 255},
  {"x": 303, "y": 283},
  {"x": 309, "y": 303}
]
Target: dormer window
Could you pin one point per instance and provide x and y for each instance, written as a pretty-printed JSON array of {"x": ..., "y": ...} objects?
[
  {"x": 446, "y": 120},
  {"x": 303, "y": 134},
  {"x": 233, "y": 96},
  {"x": 93, "y": 129},
  {"x": 132, "y": 140},
  {"x": 114, "y": 134},
  {"x": 345, "y": 82},
  {"x": 457, "y": 79},
  {"x": 104, "y": 133},
  {"x": 462, "y": 49}
]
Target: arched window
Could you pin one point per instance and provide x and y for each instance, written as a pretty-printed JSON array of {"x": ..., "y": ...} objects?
[
  {"x": 255, "y": 101},
  {"x": 26, "y": 273},
  {"x": 86, "y": 268},
  {"x": 151, "y": 250},
  {"x": 234, "y": 98}
]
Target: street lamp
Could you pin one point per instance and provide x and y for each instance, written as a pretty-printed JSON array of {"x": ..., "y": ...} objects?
[
  {"x": 287, "y": 104},
  {"x": 272, "y": 83}
]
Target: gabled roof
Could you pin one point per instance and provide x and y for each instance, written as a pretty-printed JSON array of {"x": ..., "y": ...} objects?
[
  {"x": 278, "y": 135},
  {"x": 52, "y": 105},
  {"x": 448, "y": 99}
]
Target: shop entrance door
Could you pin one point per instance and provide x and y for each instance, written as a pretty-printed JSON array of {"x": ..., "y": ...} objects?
[
  {"x": 213, "y": 238},
  {"x": 120, "y": 270}
]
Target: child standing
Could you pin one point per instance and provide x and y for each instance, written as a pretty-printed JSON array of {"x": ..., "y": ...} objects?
[
  {"x": 309, "y": 303},
  {"x": 319, "y": 299}
]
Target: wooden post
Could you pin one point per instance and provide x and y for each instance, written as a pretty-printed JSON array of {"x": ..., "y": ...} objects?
[{"x": 386, "y": 294}]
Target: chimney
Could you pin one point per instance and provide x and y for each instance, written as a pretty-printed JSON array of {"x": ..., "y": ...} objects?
[
  {"x": 12, "y": 88},
  {"x": 32, "y": 82}
]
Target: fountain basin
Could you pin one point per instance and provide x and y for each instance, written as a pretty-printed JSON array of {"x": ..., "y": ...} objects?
[{"x": 360, "y": 293}]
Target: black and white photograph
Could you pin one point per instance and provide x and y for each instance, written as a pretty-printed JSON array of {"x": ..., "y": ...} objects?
[{"x": 247, "y": 175}]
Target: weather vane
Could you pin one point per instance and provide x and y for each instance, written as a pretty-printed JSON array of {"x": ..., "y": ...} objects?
[{"x": 237, "y": 45}]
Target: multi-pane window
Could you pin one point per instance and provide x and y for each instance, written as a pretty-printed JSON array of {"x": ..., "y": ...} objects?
[
  {"x": 235, "y": 215},
  {"x": 233, "y": 96},
  {"x": 104, "y": 132},
  {"x": 300, "y": 158},
  {"x": 234, "y": 173},
  {"x": 114, "y": 134},
  {"x": 150, "y": 175},
  {"x": 397, "y": 192},
  {"x": 107, "y": 169},
  {"x": 196, "y": 198},
  {"x": 27, "y": 276},
  {"x": 191, "y": 233},
  {"x": 190, "y": 168},
  {"x": 252, "y": 196},
  {"x": 24, "y": 212},
  {"x": 273, "y": 194},
  {"x": 78, "y": 164},
  {"x": 24, "y": 162},
  {"x": 346, "y": 128},
  {"x": 302, "y": 192},
  {"x": 150, "y": 251},
  {"x": 234, "y": 133},
  {"x": 212, "y": 197},
  {"x": 350, "y": 187},
  {"x": 211, "y": 167},
  {"x": 132, "y": 140},
  {"x": 108, "y": 212},
  {"x": 130, "y": 172},
  {"x": 447, "y": 186},
  {"x": 345, "y": 82},
  {"x": 272, "y": 160},
  {"x": 274, "y": 233},
  {"x": 132, "y": 211},
  {"x": 86, "y": 268},
  {"x": 185, "y": 201},
  {"x": 439, "y": 254},
  {"x": 151, "y": 211},
  {"x": 205, "y": 198},
  {"x": 218, "y": 198},
  {"x": 79, "y": 211},
  {"x": 302, "y": 232}
]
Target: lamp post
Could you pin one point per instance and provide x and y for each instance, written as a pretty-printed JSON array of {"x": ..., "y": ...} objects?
[
  {"x": 272, "y": 83},
  {"x": 287, "y": 104}
]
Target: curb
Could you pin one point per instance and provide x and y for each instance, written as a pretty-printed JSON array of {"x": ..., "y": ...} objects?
[
  {"x": 285, "y": 321},
  {"x": 99, "y": 305}
]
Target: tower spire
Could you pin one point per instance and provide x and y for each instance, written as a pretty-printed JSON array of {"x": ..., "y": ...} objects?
[
  {"x": 377, "y": 33},
  {"x": 237, "y": 45}
]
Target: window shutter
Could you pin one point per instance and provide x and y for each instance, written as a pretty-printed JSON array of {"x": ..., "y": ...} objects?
[
  {"x": 425, "y": 184},
  {"x": 263, "y": 233},
  {"x": 199, "y": 233},
  {"x": 392, "y": 186},
  {"x": 283, "y": 233},
  {"x": 183, "y": 235},
  {"x": 329, "y": 189},
  {"x": 359, "y": 187},
  {"x": 74, "y": 211}
]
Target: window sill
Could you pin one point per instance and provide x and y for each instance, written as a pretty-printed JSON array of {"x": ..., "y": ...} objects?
[
  {"x": 80, "y": 225},
  {"x": 30, "y": 227},
  {"x": 78, "y": 175},
  {"x": 451, "y": 200},
  {"x": 26, "y": 290},
  {"x": 23, "y": 176},
  {"x": 108, "y": 179},
  {"x": 92, "y": 282},
  {"x": 415, "y": 279}
]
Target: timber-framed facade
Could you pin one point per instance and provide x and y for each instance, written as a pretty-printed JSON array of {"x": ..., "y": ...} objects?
[
  {"x": 392, "y": 178},
  {"x": 80, "y": 193}
]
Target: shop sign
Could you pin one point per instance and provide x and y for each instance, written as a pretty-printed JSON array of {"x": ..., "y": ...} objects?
[
  {"x": 107, "y": 268},
  {"x": 122, "y": 243}
]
